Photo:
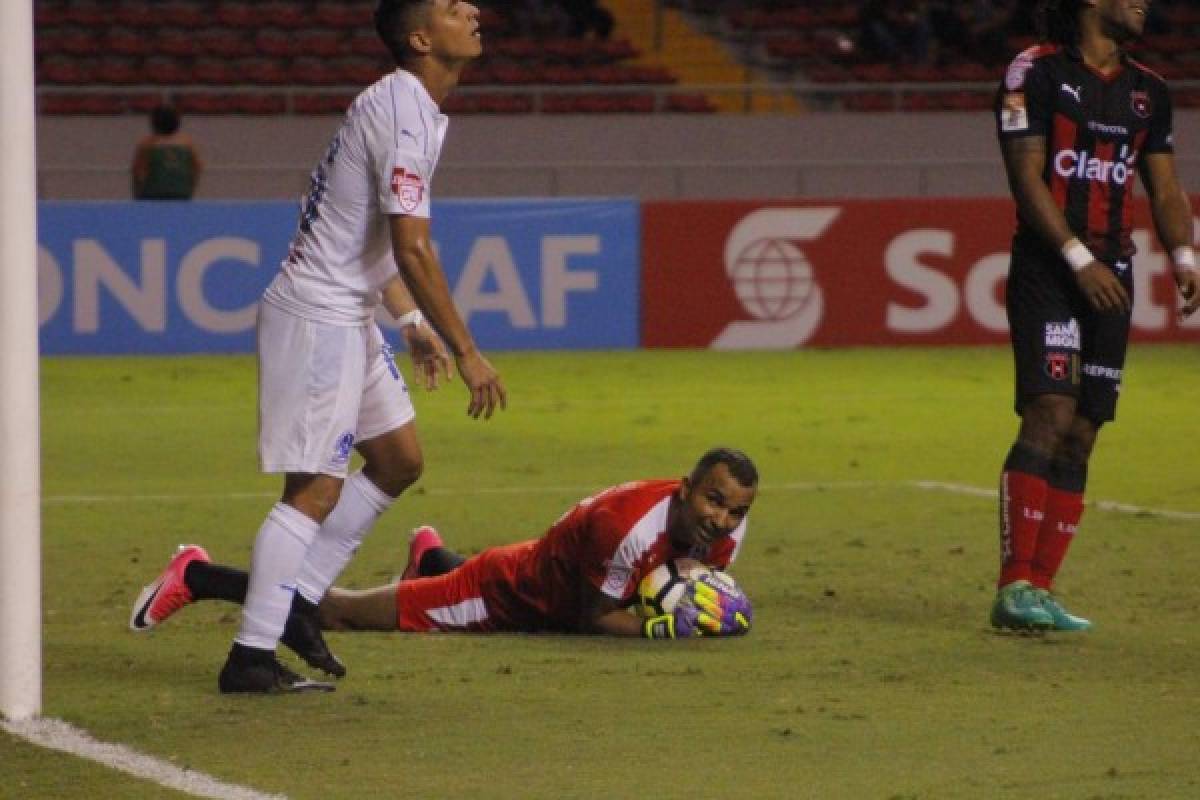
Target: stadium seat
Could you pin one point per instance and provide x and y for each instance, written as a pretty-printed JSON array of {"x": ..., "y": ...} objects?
[
  {"x": 63, "y": 70},
  {"x": 321, "y": 103},
  {"x": 689, "y": 104},
  {"x": 176, "y": 42},
  {"x": 224, "y": 42},
  {"x": 262, "y": 71},
  {"x": 183, "y": 14},
  {"x": 48, "y": 13},
  {"x": 342, "y": 16},
  {"x": 85, "y": 13},
  {"x": 284, "y": 14},
  {"x": 119, "y": 71},
  {"x": 325, "y": 44},
  {"x": 213, "y": 71},
  {"x": 135, "y": 14},
  {"x": 233, "y": 14},
  {"x": 314, "y": 72},
  {"x": 276, "y": 43},
  {"x": 359, "y": 71},
  {"x": 166, "y": 71},
  {"x": 126, "y": 42}
]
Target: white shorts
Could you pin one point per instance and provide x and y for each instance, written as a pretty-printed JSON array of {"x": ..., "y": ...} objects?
[{"x": 321, "y": 389}]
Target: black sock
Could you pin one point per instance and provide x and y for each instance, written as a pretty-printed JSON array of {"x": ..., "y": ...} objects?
[
  {"x": 302, "y": 605},
  {"x": 215, "y": 582},
  {"x": 438, "y": 561}
]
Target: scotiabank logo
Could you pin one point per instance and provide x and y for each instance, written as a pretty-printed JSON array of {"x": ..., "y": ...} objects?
[
  {"x": 773, "y": 279},
  {"x": 1082, "y": 165}
]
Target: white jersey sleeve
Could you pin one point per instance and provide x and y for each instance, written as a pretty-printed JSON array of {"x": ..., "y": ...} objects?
[{"x": 380, "y": 163}]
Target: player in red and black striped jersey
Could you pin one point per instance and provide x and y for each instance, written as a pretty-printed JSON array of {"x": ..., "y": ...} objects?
[{"x": 1077, "y": 120}]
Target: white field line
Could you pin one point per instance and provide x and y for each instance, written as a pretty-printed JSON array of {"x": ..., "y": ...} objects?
[
  {"x": 58, "y": 735},
  {"x": 814, "y": 486}
]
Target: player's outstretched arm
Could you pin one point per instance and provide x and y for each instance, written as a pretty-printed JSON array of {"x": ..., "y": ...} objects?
[
  {"x": 602, "y": 614},
  {"x": 1172, "y": 213},
  {"x": 426, "y": 282},
  {"x": 1025, "y": 162}
]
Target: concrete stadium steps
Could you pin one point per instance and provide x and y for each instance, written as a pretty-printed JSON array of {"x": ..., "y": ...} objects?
[{"x": 694, "y": 57}]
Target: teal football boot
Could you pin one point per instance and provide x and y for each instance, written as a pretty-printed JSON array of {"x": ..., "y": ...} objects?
[
  {"x": 1018, "y": 608},
  {"x": 1063, "y": 619}
]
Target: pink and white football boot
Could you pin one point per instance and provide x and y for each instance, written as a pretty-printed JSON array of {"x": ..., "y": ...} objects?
[
  {"x": 168, "y": 593},
  {"x": 420, "y": 541}
]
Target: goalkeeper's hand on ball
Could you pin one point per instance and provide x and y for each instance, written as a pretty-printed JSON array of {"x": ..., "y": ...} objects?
[{"x": 707, "y": 609}]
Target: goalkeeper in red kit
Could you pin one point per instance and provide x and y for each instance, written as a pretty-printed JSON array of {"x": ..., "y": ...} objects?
[
  {"x": 1077, "y": 120},
  {"x": 579, "y": 577}
]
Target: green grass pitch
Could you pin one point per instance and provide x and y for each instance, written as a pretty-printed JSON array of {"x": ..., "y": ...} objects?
[{"x": 871, "y": 672}]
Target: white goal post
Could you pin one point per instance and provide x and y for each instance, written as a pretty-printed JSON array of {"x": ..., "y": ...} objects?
[{"x": 20, "y": 450}]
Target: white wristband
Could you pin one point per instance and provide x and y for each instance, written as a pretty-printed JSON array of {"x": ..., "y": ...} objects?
[
  {"x": 1077, "y": 255},
  {"x": 414, "y": 317},
  {"x": 1183, "y": 258}
]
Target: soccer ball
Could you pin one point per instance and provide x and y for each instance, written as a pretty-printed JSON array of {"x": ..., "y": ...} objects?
[{"x": 660, "y": 591}]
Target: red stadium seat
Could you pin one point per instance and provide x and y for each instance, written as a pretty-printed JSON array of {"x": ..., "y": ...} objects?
[
  {"x": 314, "y": 72},
  {"x": 81, "y": 104},
  {"x": 359, "y": 71},
  {"x": 214, "y": 72},
  {"x": 176, "y": 42},
  {"x": 48, "y": 13},
  {"x": 80, "y": 42},
  {"x": 321, "y": 103},
  {"x": 135, "y": 14},
  {"x": 233, "y": 14},
  {"x": 325, "y": 44},
  {"x": 262, "y": 71},
  {"x": 276, "y": 43},
  {"x": 166, "y": 71},
  {"x": 367, "y": 44},
  {"x": 85, "y": 13},
  {"x": 342, "y": 16},
  {"x": 126, "y": 42},
  {"x": 119, "y": 71},
  {"x": 284, "y": 14},
  {"x": 65, "y": 71},
  {"x": 224, "y": 42},
  {"x": 182, "y": 14},
  {"x": 690, "y": 104}
]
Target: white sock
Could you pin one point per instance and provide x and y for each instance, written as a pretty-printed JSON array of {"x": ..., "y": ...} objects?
[
  {"x": 279, "y": 551},
  {"x": 359, "y": 505}
]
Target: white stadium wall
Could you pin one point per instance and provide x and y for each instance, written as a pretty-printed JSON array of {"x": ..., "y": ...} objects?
[{"x": 660, "y": 156}]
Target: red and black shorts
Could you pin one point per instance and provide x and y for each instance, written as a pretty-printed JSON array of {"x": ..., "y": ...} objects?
[{"x": 1061, "y": 345}]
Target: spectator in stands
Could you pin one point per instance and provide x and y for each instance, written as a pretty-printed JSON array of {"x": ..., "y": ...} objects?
[
  {"x": 895, "y": 31},
  {"x": 166, "y": 165},
  {"x": 587, "y": 16}
]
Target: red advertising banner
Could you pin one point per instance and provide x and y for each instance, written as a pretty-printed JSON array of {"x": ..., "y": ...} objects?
[{"x": 742, "y": 275}]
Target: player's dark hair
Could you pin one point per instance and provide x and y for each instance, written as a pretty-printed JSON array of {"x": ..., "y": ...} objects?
[
  {"x": 739, "y": 464},
  {"x": 394, "y": 21},
  {"x": 1058, "y": 21},
  {"x": 164, "y": 120}
]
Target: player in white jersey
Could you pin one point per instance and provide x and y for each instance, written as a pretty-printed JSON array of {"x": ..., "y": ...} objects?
[{"x": 327, "y": 381}]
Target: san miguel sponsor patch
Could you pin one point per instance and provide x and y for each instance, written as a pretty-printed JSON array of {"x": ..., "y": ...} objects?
[{"x": 408, "y": 188}]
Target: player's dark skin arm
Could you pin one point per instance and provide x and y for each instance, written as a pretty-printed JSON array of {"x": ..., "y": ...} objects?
[
  {"x": 422, "y": 273},
  {"x": 602, "y": 614},
  {"x": 1025, "y": 163},
  {"x": 1173, "y": 219}
]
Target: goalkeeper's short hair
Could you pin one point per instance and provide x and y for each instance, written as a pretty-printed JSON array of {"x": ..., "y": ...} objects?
[{"x": 739, "y": 464}]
